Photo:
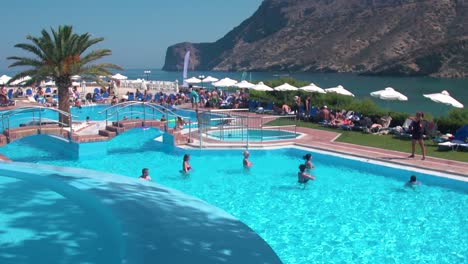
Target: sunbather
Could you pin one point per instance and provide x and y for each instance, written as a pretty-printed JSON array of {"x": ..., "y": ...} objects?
[{"x": 285, "y": 109}]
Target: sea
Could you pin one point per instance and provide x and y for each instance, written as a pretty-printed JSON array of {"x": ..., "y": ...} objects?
[{"x": 360, "y": 86}]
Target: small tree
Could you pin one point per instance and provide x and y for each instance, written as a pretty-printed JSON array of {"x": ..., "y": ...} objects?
[{"x": 59, "y": 56}]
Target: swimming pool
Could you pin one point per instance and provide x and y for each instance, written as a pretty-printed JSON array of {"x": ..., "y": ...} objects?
[
  {"x": 355, "y": 212},
  {"x": 252, "y": 134},
  {"x": 68, "y": 215}
]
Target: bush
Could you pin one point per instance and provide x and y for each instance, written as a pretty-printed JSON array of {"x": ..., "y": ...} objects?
[{"x": 455, "y": 119}]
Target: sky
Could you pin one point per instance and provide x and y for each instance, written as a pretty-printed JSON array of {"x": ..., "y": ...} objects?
[{"x": 138, "y": 31}]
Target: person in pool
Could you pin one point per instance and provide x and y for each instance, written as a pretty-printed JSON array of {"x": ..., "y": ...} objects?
[
  {"x": 145, "y": 175},
  {"x": 186, "y": 165},
  {"x": 302, "y": 176},
  {"x": 413, "y": 181},
  {"x": 245, "y": 161},
  {"x": 308, "y": 161}
]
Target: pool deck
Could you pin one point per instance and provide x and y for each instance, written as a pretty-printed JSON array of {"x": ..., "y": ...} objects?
[{"x": 326, "y": 141}]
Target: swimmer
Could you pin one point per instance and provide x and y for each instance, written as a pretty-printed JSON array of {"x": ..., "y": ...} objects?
[
  {"x": 303, "y": 177},
  {"x": 186, "y": 165},
  {"x": 413, "y": 181},
  {"x": 308, "y": 161},
  {"x": 145, "y": 175},
  {"x": 87, "y": 120},
  {"x": 245, "y": 161}
]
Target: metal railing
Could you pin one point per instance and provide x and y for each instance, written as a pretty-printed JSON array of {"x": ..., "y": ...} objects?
[
  {"x": 147, "y": 111},
  {"x": 240, "y": 126},
  {"x": 37, "y": 118}
]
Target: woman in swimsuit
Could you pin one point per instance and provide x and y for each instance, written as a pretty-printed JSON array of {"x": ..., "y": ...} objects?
[
  {"x": 247, "y": 164},
  {"x": 145, "y": 175},
  {"x": 303, "y": 177},
  {"x": 186, "y": 165},
  {"x": 308, "y": 161},
  {"x": 413, "y": 181},
  {"x": 417, "y": 131}
]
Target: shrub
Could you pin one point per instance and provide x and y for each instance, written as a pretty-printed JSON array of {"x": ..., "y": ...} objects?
[{"x": 455, "y": 119}]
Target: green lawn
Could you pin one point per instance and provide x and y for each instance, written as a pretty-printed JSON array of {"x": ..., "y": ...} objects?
[{"x": 380, "y": 141}]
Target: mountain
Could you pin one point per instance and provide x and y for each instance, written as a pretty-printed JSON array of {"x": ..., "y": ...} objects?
[{"x": 381, "y": 37}]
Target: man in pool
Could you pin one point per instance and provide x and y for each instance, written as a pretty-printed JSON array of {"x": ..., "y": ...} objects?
[
  {"x": 145, "y": 175},
  {"x": 247, "y": 164},
  {"x": 302, "y": 176}
]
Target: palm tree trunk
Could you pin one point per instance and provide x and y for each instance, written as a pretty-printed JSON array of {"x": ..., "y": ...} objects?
[{"x": 64, "y": 98}]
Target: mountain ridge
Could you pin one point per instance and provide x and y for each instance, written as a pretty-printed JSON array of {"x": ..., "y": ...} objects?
[{"x": 377, "y": 37}]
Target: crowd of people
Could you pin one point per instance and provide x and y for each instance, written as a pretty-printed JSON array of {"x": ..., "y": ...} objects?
[{"x": 303, "y": 176}]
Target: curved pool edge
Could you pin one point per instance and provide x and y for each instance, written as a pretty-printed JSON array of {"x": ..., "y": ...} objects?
[{"x": 153, "y": 222}]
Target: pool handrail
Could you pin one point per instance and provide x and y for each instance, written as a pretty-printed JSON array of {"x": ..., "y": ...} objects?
[{"x": 40, "y": 109}]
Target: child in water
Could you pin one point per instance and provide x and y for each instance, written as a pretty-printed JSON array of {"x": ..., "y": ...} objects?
[
  {"x": 245, "y": 161},
  {"x": 302, "y": 176}
]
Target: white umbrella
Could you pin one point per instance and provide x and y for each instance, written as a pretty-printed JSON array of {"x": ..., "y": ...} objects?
[
  {"x": 83, "y": 86},
  {"x": 244, "y": 84},
  {"x": 262, "y": 87},
  {"x": 444, "y": 98},
  {"x": 389, "y": 94},
  {"x": 21, "y": 80},
  {"x": 119, "y": 76},
  {"x": 286, "y": 87},
  {"x": 312, "y": 88},
  {"x": 192, "y": 80},
  {"x": 226, "y": 82},
  {"x": 49, "y": 83},
  {"x": 210, "y": 79},
  {"x": 143, "y": 85},
  {"x": 339, "y": 90},
  {"x": 76, "y": 83},
  {"x": 4, "y": 79}
]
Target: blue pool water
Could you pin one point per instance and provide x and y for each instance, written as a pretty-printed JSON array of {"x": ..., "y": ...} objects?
[
  {"x": 251, "y": 135},
  {"x": 355, "y": 212}
]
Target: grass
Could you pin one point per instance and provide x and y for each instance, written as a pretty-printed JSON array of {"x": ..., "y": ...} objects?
[{"x": 379, "y": 141}]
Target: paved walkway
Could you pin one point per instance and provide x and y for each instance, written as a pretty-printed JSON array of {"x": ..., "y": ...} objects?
[{"x": 325, "y": 140}]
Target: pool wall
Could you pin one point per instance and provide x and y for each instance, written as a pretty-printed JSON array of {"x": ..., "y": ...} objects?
[{"x": 130, "y": 221}]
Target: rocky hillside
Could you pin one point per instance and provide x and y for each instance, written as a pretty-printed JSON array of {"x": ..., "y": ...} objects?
[{"x": 389, "y": 37}]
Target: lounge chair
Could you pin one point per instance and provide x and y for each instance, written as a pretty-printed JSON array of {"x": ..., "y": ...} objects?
[
  {"x": 29, "y": 92},
  {"x": 459, "y": 140}
]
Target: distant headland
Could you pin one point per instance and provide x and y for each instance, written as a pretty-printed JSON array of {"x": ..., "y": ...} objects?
[{"x": 375, "y": 37}]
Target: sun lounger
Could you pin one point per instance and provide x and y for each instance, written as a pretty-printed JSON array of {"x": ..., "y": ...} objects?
[{"x": 458, "y": 142}]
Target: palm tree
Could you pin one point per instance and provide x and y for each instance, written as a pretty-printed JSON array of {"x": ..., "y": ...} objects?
[{"x": 59, "y": 56}]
